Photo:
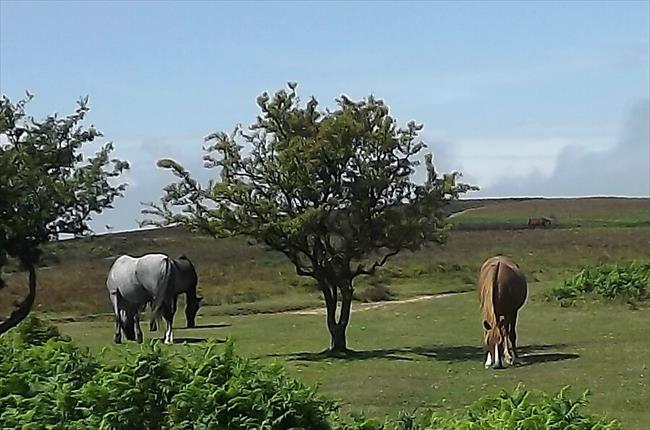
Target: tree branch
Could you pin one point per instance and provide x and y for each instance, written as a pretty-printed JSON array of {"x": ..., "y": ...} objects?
[{"x": 363, "y": 271}]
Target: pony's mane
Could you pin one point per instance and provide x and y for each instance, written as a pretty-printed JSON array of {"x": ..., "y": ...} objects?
[{"x": 487, "y": 281}]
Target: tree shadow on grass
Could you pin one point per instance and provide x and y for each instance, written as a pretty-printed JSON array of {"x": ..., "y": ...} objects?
[
  {"x": 204, "y": 326},
  {"x": 180, "y": 340},
  {"x": 349, "y": 355},
  {"x": 530, "y": 354}
]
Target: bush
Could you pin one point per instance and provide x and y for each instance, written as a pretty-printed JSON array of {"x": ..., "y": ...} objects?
[
  {"x": 519, "y": 410},
  {"x": 58, "y": 386},
  {"x": 378, "y": 292},
  {"x": 630, "y": 281},
  {"x": 35, "y": 331}
]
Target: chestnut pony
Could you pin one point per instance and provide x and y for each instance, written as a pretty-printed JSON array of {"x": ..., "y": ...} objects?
[{"x": 502, "y": 290}]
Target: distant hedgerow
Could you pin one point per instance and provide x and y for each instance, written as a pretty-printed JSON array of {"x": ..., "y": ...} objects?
[{"x": 630, "y": 281}]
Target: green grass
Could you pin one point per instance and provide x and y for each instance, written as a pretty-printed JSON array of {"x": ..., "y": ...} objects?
[{"x": 427, "y": 354}]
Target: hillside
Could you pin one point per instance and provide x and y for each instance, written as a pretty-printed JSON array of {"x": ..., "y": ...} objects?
[{"x": 237, "y": 276}]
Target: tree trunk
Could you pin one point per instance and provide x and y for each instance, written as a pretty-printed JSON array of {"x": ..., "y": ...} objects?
[
  {"x": 337, "y": 328},
  {"x": 338, "y": 341},
  {"x": 25, "y": 306}
]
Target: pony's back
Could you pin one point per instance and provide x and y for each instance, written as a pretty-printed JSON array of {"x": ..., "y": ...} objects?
[{"x": 502, "y": 288}]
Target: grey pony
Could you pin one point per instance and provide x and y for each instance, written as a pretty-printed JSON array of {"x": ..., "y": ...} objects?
[{"x": 132, "y": 283}]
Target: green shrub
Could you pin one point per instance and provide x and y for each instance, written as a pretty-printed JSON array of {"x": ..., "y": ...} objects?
[
  {"x": 36, "y": 331},
  {"x": 630, "y": 281},
  {"x": 377, "y": 292},
  {"x": 58, "y": 386},
  {"x": 520, "y": 409}
]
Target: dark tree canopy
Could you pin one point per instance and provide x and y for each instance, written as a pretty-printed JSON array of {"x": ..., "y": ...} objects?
[
  {"x": 332, "y": 190},
  {"x": 46, "y": 186}
]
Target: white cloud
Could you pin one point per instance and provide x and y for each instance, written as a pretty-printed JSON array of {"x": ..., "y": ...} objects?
[{"x": 621, "y": 169}]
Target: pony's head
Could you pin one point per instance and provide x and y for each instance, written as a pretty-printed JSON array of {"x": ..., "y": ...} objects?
[
  {"x": 495, "y": 343},
  {"x": 191, "y": 309}
]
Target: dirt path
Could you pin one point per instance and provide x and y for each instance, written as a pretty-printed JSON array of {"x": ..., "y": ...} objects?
[
  {"x": 357, "y": 307},
  {"x": 455, "y": 214},
  {"x": 376, "y": 305}
]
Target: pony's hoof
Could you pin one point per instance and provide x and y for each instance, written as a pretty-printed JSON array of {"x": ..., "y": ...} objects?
[
  {"x": 139, "y": 339},
  {"x": 117, "y": 339}
]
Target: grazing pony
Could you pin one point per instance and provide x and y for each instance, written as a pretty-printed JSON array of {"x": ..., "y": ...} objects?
[
  {"x": 538, "y": 222},
  {"x": 186, "y": 281},
  {"x": 502, "y": 290},
  {"x": 134, "y": 282}
]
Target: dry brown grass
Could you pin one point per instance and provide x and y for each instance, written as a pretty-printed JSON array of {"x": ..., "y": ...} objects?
[{"x": 233, "y": 272}]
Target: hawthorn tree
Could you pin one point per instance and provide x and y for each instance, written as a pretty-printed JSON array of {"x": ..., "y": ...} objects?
[
  {"x": 46, "y": 187},
  {"x": 332, "y": 190}
]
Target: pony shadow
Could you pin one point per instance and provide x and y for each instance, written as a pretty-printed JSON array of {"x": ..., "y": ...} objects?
[
  {"x": 204, "y": 326},
  {"x": 530, "y": 359}
]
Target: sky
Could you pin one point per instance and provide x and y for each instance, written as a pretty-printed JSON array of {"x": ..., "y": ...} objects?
[{"x": 524, "y": 98}]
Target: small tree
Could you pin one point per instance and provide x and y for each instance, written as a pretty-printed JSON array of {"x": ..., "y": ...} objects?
[
  {"x": 46, "y": 188},
  {"x": 331, "y": 190}
]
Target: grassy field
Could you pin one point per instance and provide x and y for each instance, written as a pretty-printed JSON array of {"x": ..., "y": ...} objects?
[
  {"x": 587, "y": 212},
  {"x": 427, "y": 354},
  {"x": 234, "y": 274},
  {"x": 419, "y": 354}
]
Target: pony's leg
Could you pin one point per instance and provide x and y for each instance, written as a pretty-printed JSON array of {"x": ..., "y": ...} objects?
[
  {"x": 168, "y": 316},
  {"x": 513, "y": 337},
  {"x": 138, "y": 330},
  {"x": 153, "y": 325},
  {"x": 507, "y": 349},
  {"x": 117, "y": 338},
  {"x": 488, "y": 360}
]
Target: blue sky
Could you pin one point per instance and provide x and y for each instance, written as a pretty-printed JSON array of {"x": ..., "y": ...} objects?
[{"x": 524, "y": 98}]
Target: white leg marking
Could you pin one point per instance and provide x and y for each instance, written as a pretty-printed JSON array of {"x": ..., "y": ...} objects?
[
  {"x": 169, "y": 337},
  {"x": 508, "y": 357},
  {"x": 488, "y": 360},
  {"x": 497, "y": 357}
]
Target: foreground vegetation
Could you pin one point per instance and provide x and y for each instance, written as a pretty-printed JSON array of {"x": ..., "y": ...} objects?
[{"x": 51, "y": 383}]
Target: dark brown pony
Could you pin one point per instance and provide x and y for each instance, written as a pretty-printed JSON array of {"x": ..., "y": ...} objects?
[
  {"x": 538, "y": 222},
  {"x": 502, "y": 290}
]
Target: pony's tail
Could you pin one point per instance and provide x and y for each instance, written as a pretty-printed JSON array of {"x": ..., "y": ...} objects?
[
  {"x": 164, "y": 286},
  {"x": 494, "y": 287},
  {"x": 488, "y": 293}
]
